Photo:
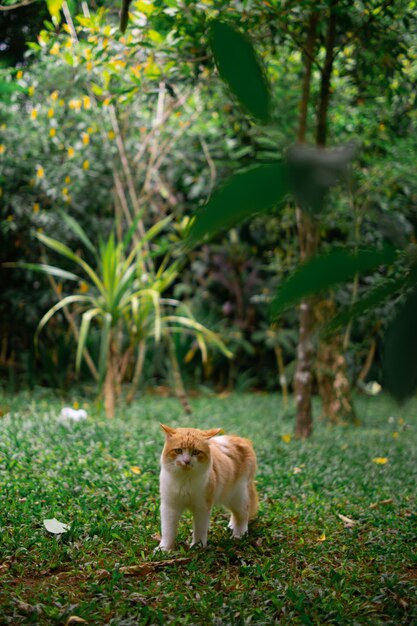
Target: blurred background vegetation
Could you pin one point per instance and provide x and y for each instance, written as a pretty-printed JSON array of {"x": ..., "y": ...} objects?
[{"x": 123, "y": 129}]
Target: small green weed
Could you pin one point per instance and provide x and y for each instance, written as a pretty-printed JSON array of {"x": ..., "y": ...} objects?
[{"x": 333, "y": 542}]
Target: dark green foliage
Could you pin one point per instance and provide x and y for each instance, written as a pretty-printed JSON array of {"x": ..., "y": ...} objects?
[
  {"x": 240, "y": 69},
  {"x": 326, "y": 271},
  {"x": 400, "y": 354},
  {"x": 300, "y": 564},
  {"x": 245, "y": 194}
]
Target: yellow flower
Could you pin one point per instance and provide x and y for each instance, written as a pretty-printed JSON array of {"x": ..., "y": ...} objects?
[
  {"x": 2, "y": 148},
  {"x": 31, "y": 90},
  {"x": 83, "y": 287},
  {"x": 65, "y": 191},
  {"x": 54, "y": 49},
  {"x": 40, "y": 172},
  {"x": 90, "y": 130},
  {"x": 67, "y": 179},
  {"x": 19, "y": 75},
  {"x": 106, "y": 102},
  {"x": 10, "y": 218},
  {"x": 111, "y": 134},
  {"x": 54, "y": 95},
  {"x": 89, "y": 66},
  {"x": 61, "y": 102},
  {"x": 36, "y": 207},
  {"x": 286, "y": 438},
  {"x": 395, "y": 435},
  {"x": 51, "y": 113},
  {"x": 52, "y": 132},
  {"x": 380, "y": 460},
  {"x": 86, "y": 164},
  {"x": 86, "y": 102},
  {"x": 75, "y": 405},
  {"x": 70, "y": 152},
  {"x": 33, "y": 114},
  {"x": 75, "y": 104},
  {"x": 39, "y": 230},
  {"x": 86, "y": 138},
  {"x": 135, "y": 469},
  {"x": 322, "y": 537}
]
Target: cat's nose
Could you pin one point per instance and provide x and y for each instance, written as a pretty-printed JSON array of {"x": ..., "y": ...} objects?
[{"x": 187, "y": 461}]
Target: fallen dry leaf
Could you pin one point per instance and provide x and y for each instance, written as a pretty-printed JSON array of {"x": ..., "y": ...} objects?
[
  {"x": 135, "y": 469},
  {"x": 380, "y": 460},
  {"x": 150, "y": 566},
  {"x": 322, "y": 537},
  {"x": 347, "y": 520},
  {"x": 381, "y": 502}
]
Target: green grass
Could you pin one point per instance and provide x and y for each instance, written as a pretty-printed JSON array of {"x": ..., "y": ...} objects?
[{"x": 300, "y": 564}]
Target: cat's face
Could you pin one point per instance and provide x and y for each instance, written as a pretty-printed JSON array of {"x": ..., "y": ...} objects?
[{"x": 187, "y": 449}]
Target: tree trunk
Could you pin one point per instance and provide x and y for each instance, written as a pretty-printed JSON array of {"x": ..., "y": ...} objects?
[
  {"x": 331, "y": 372},
  {"x": 307, "y": 233},
  {"x": 331, "y": 368}
]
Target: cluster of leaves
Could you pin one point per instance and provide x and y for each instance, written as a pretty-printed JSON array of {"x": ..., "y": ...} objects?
[{"x": 308, "y": 173}]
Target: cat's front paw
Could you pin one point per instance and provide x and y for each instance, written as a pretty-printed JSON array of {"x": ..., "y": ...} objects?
[{"x": 164, "y": 547}]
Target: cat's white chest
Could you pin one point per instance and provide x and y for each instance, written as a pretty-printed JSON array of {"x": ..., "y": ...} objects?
[{"x": 183, "y": 489}]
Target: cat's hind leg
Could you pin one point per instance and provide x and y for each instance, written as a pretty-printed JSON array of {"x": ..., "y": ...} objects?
[{"x": 239, "y": 506}]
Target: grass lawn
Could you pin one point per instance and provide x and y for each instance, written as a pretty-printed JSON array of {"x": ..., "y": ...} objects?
[{"x": 301, "y": 563}]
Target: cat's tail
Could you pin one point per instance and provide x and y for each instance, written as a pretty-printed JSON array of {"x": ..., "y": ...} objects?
[{"x": 253, "y": 499}]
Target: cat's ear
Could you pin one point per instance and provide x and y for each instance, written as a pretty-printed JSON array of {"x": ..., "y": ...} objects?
[
  {"x": 168, "y": 430},
  {"x": 208, "y": 434}
]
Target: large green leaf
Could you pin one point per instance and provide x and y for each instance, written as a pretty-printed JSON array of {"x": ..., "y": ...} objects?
[
  {"x": 240, "y": 69},
  {"x": 326, "y": 271},
  {"x": 244, "y": 195},
  {"x": 400, "y": 351}
]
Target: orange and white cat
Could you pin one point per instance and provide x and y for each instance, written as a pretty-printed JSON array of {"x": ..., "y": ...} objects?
[{"x": 199, "y": 470}]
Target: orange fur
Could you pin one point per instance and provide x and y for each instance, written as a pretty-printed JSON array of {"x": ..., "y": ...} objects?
[{"x": 199, "y": 470}]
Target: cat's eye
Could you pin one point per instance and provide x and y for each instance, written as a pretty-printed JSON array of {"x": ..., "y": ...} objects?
[
  {"x": 195, "y": 452},
  {"x": 178, "y": 450}
]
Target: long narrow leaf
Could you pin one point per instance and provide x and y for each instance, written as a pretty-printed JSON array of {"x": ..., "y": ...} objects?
[
  {"x": 79, "y": 232},
  {"x": 104, "y": 347},
  {"x": 59, "y": 247},
  {"x": 245, "y": 194},
  {"x": 199, "y": 328},
  {"x": 44, "y": 269},
  {"x": 240, "y": 69},
  {"x": 132, "y": 228},
  {"x": 326, "y": 271},
  {"x": 85, "y": 326},
  {"x": 57, "y": 307}
]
